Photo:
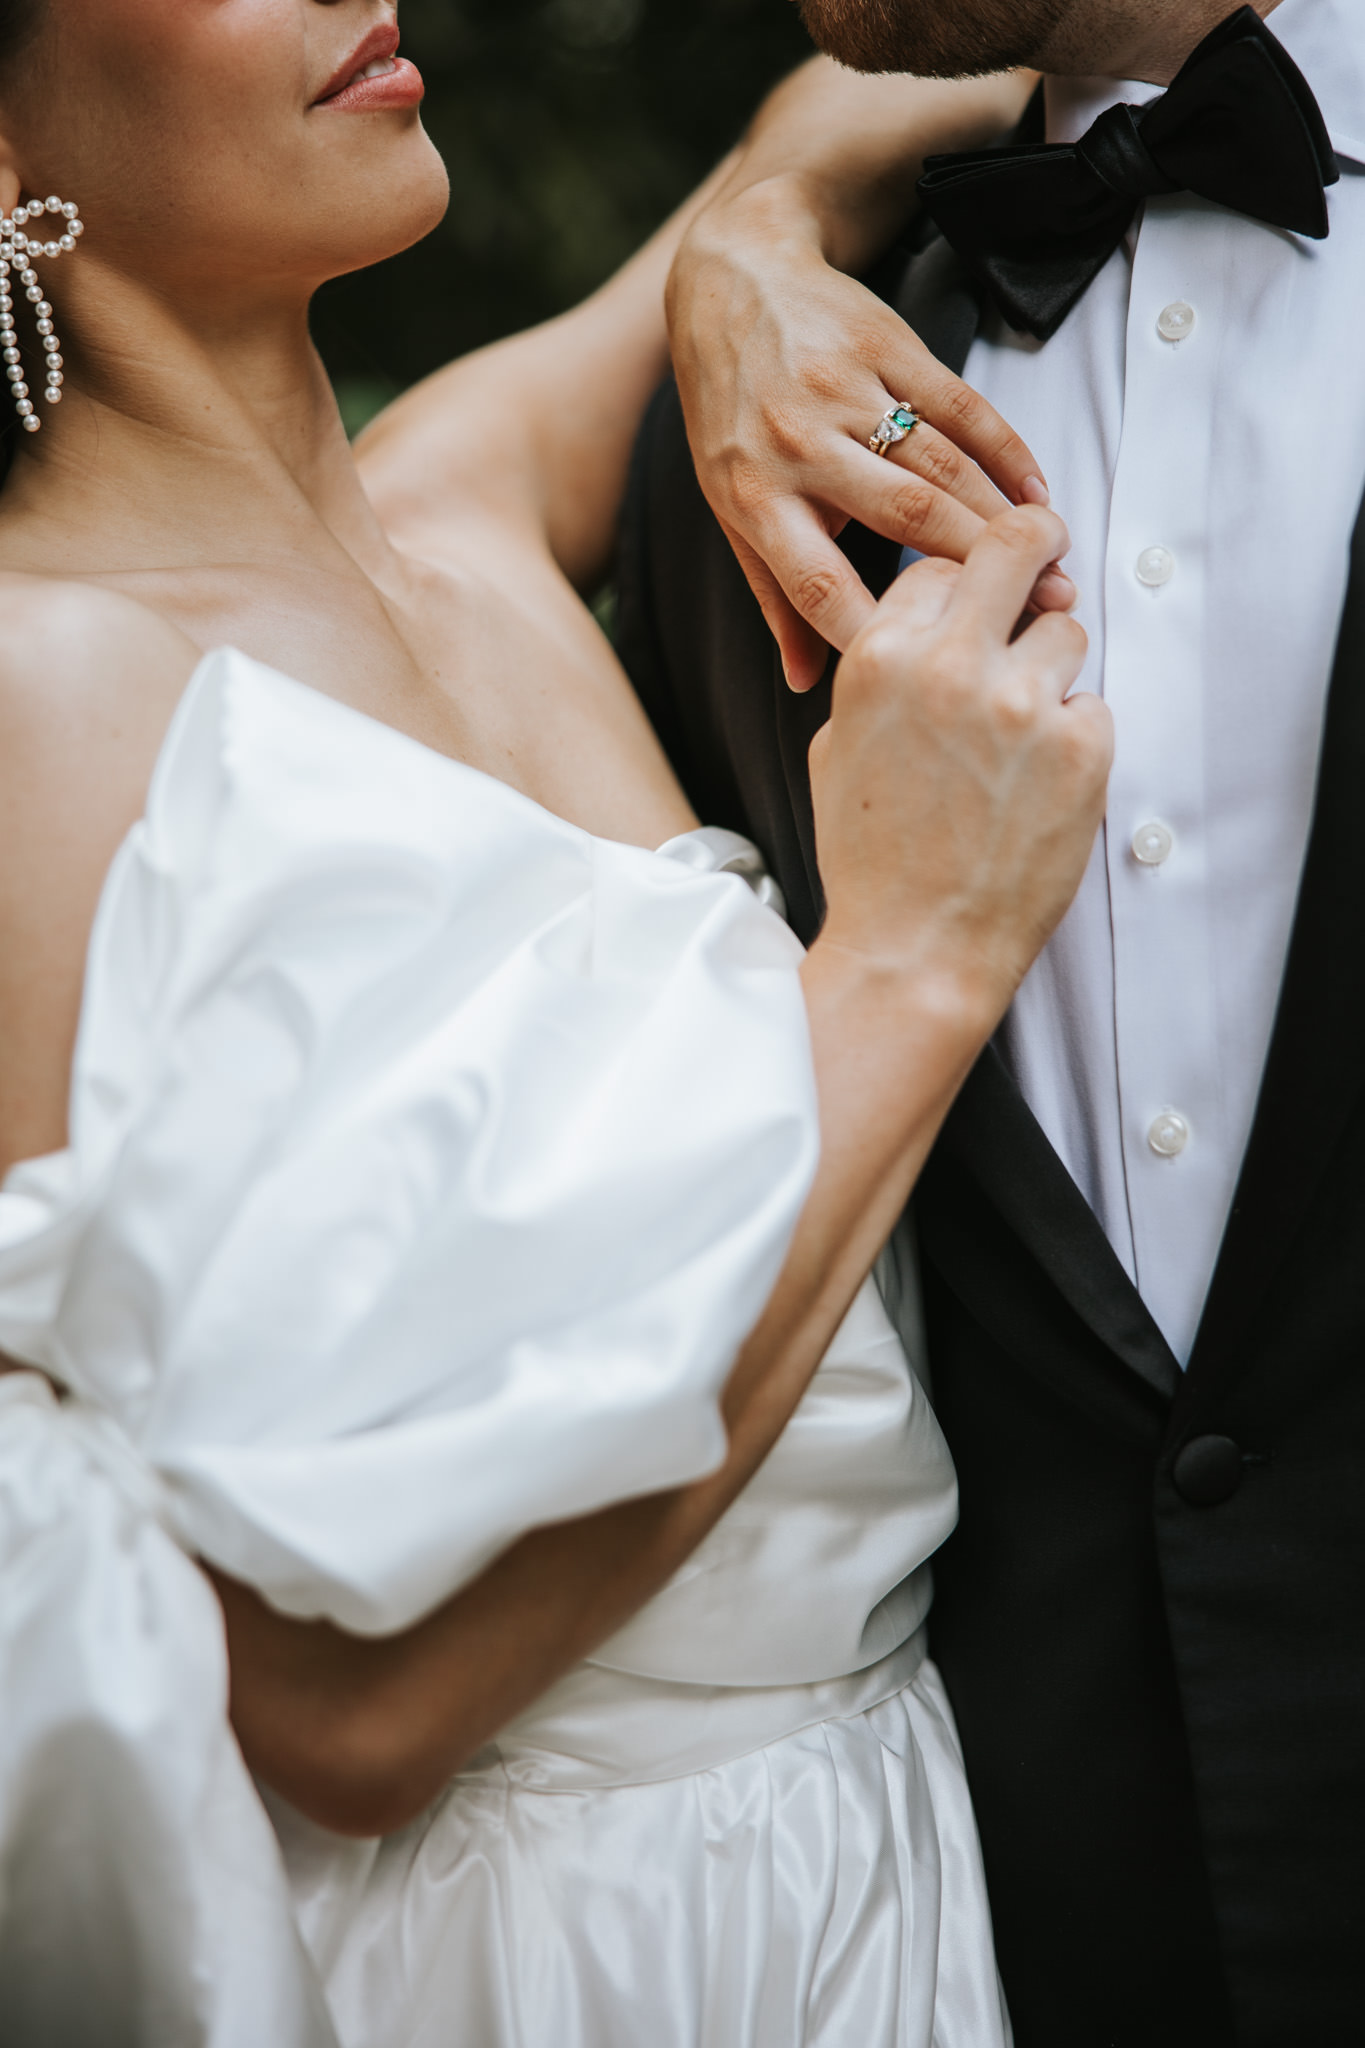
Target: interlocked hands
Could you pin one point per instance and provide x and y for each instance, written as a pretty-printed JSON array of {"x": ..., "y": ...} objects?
[
  {"x": 784, "y": 366},
  {"x": 957, "y": 787}
]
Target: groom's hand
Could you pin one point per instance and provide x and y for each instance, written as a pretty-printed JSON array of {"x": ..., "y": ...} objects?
[{"x": 784, "y": 366}]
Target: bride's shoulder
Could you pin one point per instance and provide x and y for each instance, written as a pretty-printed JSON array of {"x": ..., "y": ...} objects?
[
  {"x": 67, "y": 641},
  {"x": 89, "y": 681}
]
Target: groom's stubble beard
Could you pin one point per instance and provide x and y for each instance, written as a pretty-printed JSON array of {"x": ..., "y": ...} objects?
[
  {"x": 938, "y": 38},
  {"x": 972, "y": 38}
]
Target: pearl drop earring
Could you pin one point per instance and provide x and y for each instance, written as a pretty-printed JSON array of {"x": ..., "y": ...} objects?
[{"x": 20, "y": 251}]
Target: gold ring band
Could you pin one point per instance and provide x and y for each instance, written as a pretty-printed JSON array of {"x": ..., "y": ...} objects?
[{"x": 895, "y": 424}]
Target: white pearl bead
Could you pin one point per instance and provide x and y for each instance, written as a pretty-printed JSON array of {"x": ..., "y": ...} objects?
[
  {"x": 28, "y": 274},
  {"x": 20, "y": 241},
  {"x": 53, "y": 394},
  {"x": 53, "y": 204},
  {"x": 67, "y": 244},
  {"x": 55, "y": 380},
  {"x": 78, "y": 227},
  {"x": 44, "y": 327},
  {"x": 54, "y": 361},
  {"x": 32, "y": 424},
  {"x": 44, "y": 310},
  {"x": 70, "y": 209},
  {"x": 12, "y": 355},
  {"x": 34, "y": 294},
  {"x": 52, "y": 248},
  {"x": 25, "y": 407}
]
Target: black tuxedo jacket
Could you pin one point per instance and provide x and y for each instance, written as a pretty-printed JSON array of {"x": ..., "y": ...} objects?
[{"x": 1152, "y": 1617}]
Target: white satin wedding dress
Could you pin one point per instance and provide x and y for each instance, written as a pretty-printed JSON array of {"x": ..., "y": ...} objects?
[{"x": 429, "y": 1161}]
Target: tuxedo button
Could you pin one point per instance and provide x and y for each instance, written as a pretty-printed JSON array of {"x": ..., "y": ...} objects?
[
  {"x": 1168, "y": 1134},
  {"x": 1152, "y": 843},
  {"x": 1155, "y": 566},
  {"x": 1175, "y": 321},
  {"x": 1208, "y": 1471}
]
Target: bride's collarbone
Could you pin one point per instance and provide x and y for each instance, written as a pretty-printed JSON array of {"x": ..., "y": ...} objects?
[{"x": 497, "y": 665}]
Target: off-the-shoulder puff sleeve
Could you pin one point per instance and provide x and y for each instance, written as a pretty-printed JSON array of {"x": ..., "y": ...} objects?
[{"x": 430, "y": 1158}]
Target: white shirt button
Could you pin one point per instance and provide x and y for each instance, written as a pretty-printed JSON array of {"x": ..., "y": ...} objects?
[
  {"x": 1155, "y": 566},
  {"x": 1175, "y": 321},
  {"x": 1153, "y": 843},
  {"x": 1168, "y": 1134}
]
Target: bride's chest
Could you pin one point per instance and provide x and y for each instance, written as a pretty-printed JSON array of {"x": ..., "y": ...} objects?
[{"x": 496, "y": 664}]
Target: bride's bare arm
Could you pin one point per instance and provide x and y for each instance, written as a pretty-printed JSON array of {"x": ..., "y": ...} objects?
[
  {"x": 539, "y": 428},
  {"x": 957, "y": 796}
]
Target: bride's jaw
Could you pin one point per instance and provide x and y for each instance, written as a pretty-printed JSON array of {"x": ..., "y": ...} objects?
[
  {"x": 227, "y": 160},
  {"x": 228, "y": 150}
]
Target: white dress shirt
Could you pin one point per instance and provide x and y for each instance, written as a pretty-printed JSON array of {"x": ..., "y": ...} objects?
[{"x": 1200, "y": 418}]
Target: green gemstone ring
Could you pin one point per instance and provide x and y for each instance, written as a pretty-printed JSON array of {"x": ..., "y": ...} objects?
[{"x": 895, "y": 423}]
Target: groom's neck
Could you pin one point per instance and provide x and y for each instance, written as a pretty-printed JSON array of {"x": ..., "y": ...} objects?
[{"x": 1148, "y": 39}]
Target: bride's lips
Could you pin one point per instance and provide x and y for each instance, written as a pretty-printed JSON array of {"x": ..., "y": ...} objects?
[{"x": 394, "y": 83}]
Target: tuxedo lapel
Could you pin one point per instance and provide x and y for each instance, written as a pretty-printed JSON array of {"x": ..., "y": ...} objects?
[
  {"x": 993, "y": 1135},
  {"x": 1316, "y": 1063}
]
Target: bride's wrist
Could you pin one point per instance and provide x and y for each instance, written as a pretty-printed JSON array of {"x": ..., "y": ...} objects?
[{"x": 952, "y": 1001}]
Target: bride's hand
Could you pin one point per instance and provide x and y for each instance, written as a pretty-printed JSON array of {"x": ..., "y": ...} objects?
[
  {"x": 785, "y": 363},
  {"x": 957, "y": 788}
]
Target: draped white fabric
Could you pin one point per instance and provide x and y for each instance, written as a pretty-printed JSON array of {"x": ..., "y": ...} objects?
[
  {"x": 142, "y": 1901},
  {"x": 821, "y": 1891},
  {"x": 429, "y": 1161},
  {"x": 408, "y": 1124}
]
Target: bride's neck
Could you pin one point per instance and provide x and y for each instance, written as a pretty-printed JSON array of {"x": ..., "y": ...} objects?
[{"x": 186, "y": 437}]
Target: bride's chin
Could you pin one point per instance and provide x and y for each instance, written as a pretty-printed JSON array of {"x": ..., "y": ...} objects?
[{"x": 393, "y": 214}]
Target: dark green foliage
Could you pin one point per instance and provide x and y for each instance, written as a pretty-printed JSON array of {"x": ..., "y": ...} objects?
[{"x": 571, "y": 127}]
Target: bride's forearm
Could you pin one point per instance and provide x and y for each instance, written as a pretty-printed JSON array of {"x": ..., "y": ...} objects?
[
  {"x": 539, "y": 428},
  {"x": 535, "y": 430}
]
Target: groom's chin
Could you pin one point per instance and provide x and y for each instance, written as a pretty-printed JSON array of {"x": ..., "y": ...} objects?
[{"x": 933, "y": 38}]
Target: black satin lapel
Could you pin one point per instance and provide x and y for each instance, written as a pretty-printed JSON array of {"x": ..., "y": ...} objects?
[
  {"x": 1316, "y": 1063},
  {"x": 993, "y": 1134}
]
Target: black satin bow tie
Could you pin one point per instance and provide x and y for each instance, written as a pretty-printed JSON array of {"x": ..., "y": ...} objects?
[{"x": 1036, "y": 223}]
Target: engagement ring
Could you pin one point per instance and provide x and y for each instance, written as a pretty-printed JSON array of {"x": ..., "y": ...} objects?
[{"x": 894, "y": 425}]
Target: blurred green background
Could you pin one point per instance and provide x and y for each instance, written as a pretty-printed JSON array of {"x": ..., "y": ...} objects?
[{"x": 570, "y": 127}]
